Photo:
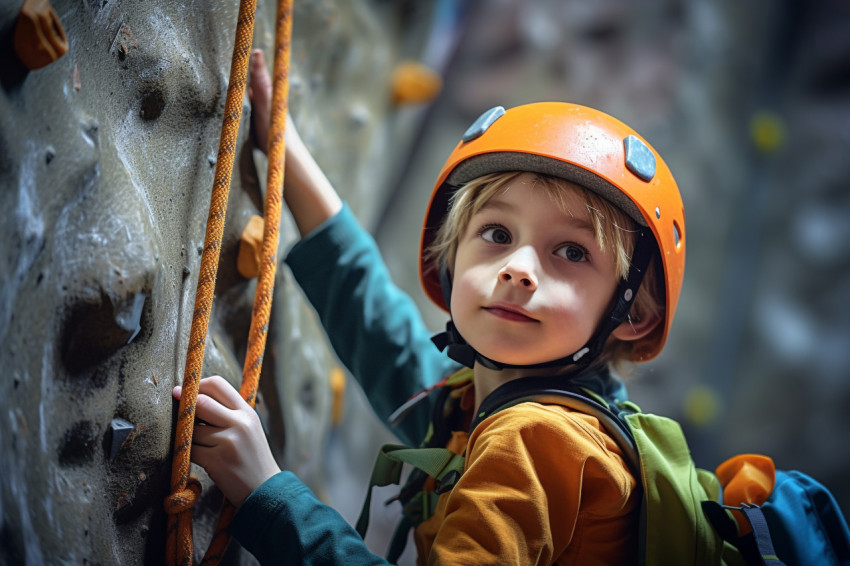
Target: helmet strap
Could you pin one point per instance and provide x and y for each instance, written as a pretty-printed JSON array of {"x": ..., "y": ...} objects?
[{"x": 460, "y": 351}]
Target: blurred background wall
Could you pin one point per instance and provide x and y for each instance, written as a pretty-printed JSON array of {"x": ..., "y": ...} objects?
[{"x": 749, "y": 104}]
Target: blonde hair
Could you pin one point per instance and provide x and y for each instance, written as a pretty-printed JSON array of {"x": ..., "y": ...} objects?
[{"x": 614, "y": 230}]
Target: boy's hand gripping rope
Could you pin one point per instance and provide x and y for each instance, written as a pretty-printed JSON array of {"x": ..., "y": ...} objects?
[{"x": 185, "y": 490}]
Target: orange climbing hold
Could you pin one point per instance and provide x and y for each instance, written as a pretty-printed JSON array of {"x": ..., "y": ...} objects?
[
  {"x": 337, "y": 381},
  {"x": 39, "y": 38},
  {"x": 746, "y": 478},
  {"x": 414, "y": 83},
  {"x": 251, "y": 248}
]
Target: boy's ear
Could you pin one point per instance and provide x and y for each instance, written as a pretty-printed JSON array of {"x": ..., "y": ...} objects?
[{"x": 632, "y": 329}]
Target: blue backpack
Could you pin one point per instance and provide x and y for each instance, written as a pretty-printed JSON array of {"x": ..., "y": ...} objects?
[{"x": 682, "y": 517}]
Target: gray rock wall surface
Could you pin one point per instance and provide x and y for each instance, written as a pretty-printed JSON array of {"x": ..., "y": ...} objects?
[{"x": 107, "y": 158}]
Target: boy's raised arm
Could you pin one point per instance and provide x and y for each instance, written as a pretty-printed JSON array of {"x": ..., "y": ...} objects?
[
  {"x": 309, "y": 195},
  {"x": 375, "y": 327}
]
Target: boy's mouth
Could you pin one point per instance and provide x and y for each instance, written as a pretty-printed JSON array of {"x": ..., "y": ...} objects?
[{"x": 510, "y": 312}]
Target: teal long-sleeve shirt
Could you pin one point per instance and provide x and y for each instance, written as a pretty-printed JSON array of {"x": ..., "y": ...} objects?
[
  {"x": 378, "y": 333},
  {"x": 374, "y": 327}
]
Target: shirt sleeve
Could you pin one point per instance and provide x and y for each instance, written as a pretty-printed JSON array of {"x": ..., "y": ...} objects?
[
  {"x": 533, "y": 472},
  {"x": 374, "y": 327},
  {"x": 282, "y": 522}
]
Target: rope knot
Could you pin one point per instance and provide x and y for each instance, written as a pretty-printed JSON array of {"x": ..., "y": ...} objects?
[{"x": 181, "y": 500}]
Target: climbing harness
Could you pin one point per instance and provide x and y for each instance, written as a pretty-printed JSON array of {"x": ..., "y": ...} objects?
[{"x": 185, "y": 489}]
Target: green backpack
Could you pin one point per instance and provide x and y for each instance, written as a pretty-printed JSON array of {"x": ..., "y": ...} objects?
[{"x": 681, "y": 519}]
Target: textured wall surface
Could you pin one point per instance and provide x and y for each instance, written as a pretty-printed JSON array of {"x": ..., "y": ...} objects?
[{"x": 107, "y": 159}]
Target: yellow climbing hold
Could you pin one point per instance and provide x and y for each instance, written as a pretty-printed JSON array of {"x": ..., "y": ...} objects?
[
  {"x": 701, "y": 406},
  {"x": 38, "y": 39},
  {"x": 251, "y": 248},
  {"x": 767, "y": 131},
  {"x": 414, "y": 83}
]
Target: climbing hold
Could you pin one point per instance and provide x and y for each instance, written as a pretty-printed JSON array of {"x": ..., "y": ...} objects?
[
  {"x": 746, "y": 478},
  {"x": 639, "y": 158},
  {"x": 38, "y": 38},
  {"x": 337, "y": 379},
  {"x": 76, "y": 80},
  {"x": 483, "y": 122},
  {"x": 128, "y": 315},
  {"x": 251, "y": 248},
  {"x": 767, "y": 131},
  {"x": 414, "y": 83},
  {"x": 701, "y": 406},
  {"x": 119, "y": 432}
]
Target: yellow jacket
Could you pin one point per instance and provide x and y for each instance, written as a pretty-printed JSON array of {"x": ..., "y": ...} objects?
[{"x": 541, "y": 485}]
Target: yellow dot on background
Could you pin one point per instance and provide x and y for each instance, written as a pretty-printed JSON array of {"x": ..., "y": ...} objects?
[
  {"x": 701, "y": 406},
  {"x": 767, "y": 131}
]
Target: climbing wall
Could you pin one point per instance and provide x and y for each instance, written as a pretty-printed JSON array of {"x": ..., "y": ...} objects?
[{"x": 107, "y": 157}]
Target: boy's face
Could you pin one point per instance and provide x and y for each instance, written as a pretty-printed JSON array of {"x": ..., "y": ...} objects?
[{"x": 530, "y": 283}]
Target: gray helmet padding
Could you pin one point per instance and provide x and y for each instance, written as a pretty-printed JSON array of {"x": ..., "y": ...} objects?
[{"x": 501, "y": 162}]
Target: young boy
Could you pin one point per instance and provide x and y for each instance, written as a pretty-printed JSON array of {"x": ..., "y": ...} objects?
[{"x": 554, "y": 238}]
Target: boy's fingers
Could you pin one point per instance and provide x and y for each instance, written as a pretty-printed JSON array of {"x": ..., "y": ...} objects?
[
  {"x": 205, "y": 436},
  {"x": 201, "y": 455},
  {"x": 258, "y": 57},
  {"x": 216, "y": 399},
  {"x": 219, "y": 389},
  {"x": 212, "y": 412},
  {"x": 260, "y": 79},
  {"x": 260, "y": 96}
]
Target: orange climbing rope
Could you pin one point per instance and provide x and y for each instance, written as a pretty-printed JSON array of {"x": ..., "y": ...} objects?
[
  {"x": 276, "y": 148},
  {"x": 185, "y": 489}
]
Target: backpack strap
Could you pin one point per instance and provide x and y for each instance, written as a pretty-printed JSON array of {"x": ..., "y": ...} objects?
[
  {"x": 553, "y": 390},
  {"x": 756, "y": 547},
  {"x": 761, "y": 535},
  {"x": 430, "y": 459},
  {"x": 440, "y": 463},
  {"x": 454, "y": 381}
]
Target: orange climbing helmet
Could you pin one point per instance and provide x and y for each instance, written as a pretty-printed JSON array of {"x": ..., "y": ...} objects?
[{"x": 581, "y": 145}]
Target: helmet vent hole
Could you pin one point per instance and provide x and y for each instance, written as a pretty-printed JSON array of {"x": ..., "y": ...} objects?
[{"x": 677, "y": 235}]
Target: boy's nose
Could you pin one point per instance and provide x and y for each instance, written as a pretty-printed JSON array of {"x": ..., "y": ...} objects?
[{"x": 519, "y": 271}]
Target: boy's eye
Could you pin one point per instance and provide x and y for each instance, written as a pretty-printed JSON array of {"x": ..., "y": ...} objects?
[
  {"x": 495, "y": 234},
  {"x": 572, "y": 253}
]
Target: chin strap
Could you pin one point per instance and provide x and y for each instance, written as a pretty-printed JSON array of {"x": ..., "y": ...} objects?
[{"x": 460, "y": 351}]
